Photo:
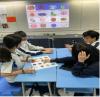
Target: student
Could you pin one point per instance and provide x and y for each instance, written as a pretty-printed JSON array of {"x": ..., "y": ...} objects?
[
  {"x": 91, "y": 37},
  {"x": 6, "y": 67},
  {"x": 87, "y": 64},
  {"x": 76, "y": 49},
  {"x": 12, "y": 42},
  {"x": 87, "y": 60},
  {"x": 83, "y": 63},
  {"x": 28, "y": 48}
]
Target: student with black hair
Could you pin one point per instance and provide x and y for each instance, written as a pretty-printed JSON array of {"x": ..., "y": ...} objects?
[
  {"x": 6, "y": 67},
  {"x": 87, "y": 64},
  {"x": 12, "y": 42},
  {"x": 83, "y": 63},
  {"x": 87, "y": 60},
  {"x": 84, "y": 56},
  {"x": 91, "y": 37},
  {"x": 28, "y": 48}
]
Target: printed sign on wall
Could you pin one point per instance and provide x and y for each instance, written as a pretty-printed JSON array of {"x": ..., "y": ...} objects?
[{"x": 3, "y": 16}]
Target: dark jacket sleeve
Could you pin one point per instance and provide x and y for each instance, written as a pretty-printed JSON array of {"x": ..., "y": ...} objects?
[
  {"x": 62, "y": 60},
  {"x": 82, "y": 70}
]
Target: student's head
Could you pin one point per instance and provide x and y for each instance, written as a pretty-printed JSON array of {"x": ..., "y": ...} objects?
[
  {"x": 90, "y": 36},
  {"x": 5, "y": 55},
  {"x": 94, "y": 53},
  {"x": 22, "y": 34},
  {"x": 12, "y": 41}
]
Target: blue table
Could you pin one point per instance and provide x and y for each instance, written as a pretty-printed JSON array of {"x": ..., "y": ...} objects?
[
  {"x": 63, "y": 52},
  {"x": 45, "y": 75},
  {"x": 63, "y": 79},
  {"x": 49, "y": 74},
  {"x": 66, "y": 80}
]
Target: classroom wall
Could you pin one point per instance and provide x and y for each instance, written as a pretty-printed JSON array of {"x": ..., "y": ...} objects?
[{"x": 84, "y": 15}]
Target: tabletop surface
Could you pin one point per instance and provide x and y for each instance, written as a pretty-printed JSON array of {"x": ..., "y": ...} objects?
[
  {"x": 66, "y": 79},
  {"x": 63, "y": 79},
  {"x": 63, "y": 52},
  {"x": 44, "y": 75}
]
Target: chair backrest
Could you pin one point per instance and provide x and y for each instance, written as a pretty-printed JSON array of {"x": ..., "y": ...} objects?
[
  {"x": 7, "y": 89},
  {"x": 3, "y": 84}
]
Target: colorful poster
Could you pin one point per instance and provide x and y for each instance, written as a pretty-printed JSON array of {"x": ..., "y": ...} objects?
[{"x": 48, "y": 15}]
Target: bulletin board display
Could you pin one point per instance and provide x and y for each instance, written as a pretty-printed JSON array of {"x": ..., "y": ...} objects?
[{"x": 48, "y": 15}]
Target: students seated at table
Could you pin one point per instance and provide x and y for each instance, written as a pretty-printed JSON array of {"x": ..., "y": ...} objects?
[
  {"x": 88, "y": 66},
  {"x": 28, "y": 48},
  {"x": 7, "y": 65},
  {"x": 83, "y": 63},
  {"x": 90, "y": 37},
  {"x": 12, "y": 42},
  {"x": 16, "y": 64}
]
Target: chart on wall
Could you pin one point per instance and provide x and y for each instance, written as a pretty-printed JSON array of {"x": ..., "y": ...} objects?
[{"x": 48, "y": 15}]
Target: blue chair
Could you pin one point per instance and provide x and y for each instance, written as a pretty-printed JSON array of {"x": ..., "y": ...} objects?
[
  {"x": 6, "y": 94},
  {"x": 6, "y": 89}
]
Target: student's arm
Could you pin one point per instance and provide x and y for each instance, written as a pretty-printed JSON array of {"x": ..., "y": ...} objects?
[
  {"x": 69, "y": 46},
  {"x": 62, "y": 60},
  {"x": 12, "y": 73},
  {"x": 33, "y": 47},
  {"x": 17, "y": 61},
  {"x": 16, "y": 72},
  {"x": 81, "y": 70},
  {"x": 41, "y": 49},
  {"x": 47, "y": 50},
  {"x": 20, "y": 53},
  {"x": 32, "y": 53}
]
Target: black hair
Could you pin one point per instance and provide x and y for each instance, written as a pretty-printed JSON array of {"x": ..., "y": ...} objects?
[
  {"x": 11, "y": 41},
  {"x": 92, "y": 34},
  {"x": 21, "y": 34},
  {"x": 5, "y": 55},
  {"x": 94, "y": 52}
]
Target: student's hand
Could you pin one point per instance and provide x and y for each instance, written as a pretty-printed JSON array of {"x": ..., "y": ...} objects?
[
  {"x": 30, "y": 59},
  {"x": 23, "y": 58},
  {"x": 30, "y": 70},
  {"x": 46, "y": 59},
  {"x": 47, "y": 50},
  {"x": 82, "y": 57},
  {"x": 69, "y": 46}
]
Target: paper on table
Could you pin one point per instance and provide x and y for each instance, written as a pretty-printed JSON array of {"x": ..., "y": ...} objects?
[{"x": 41, "y": 65}]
